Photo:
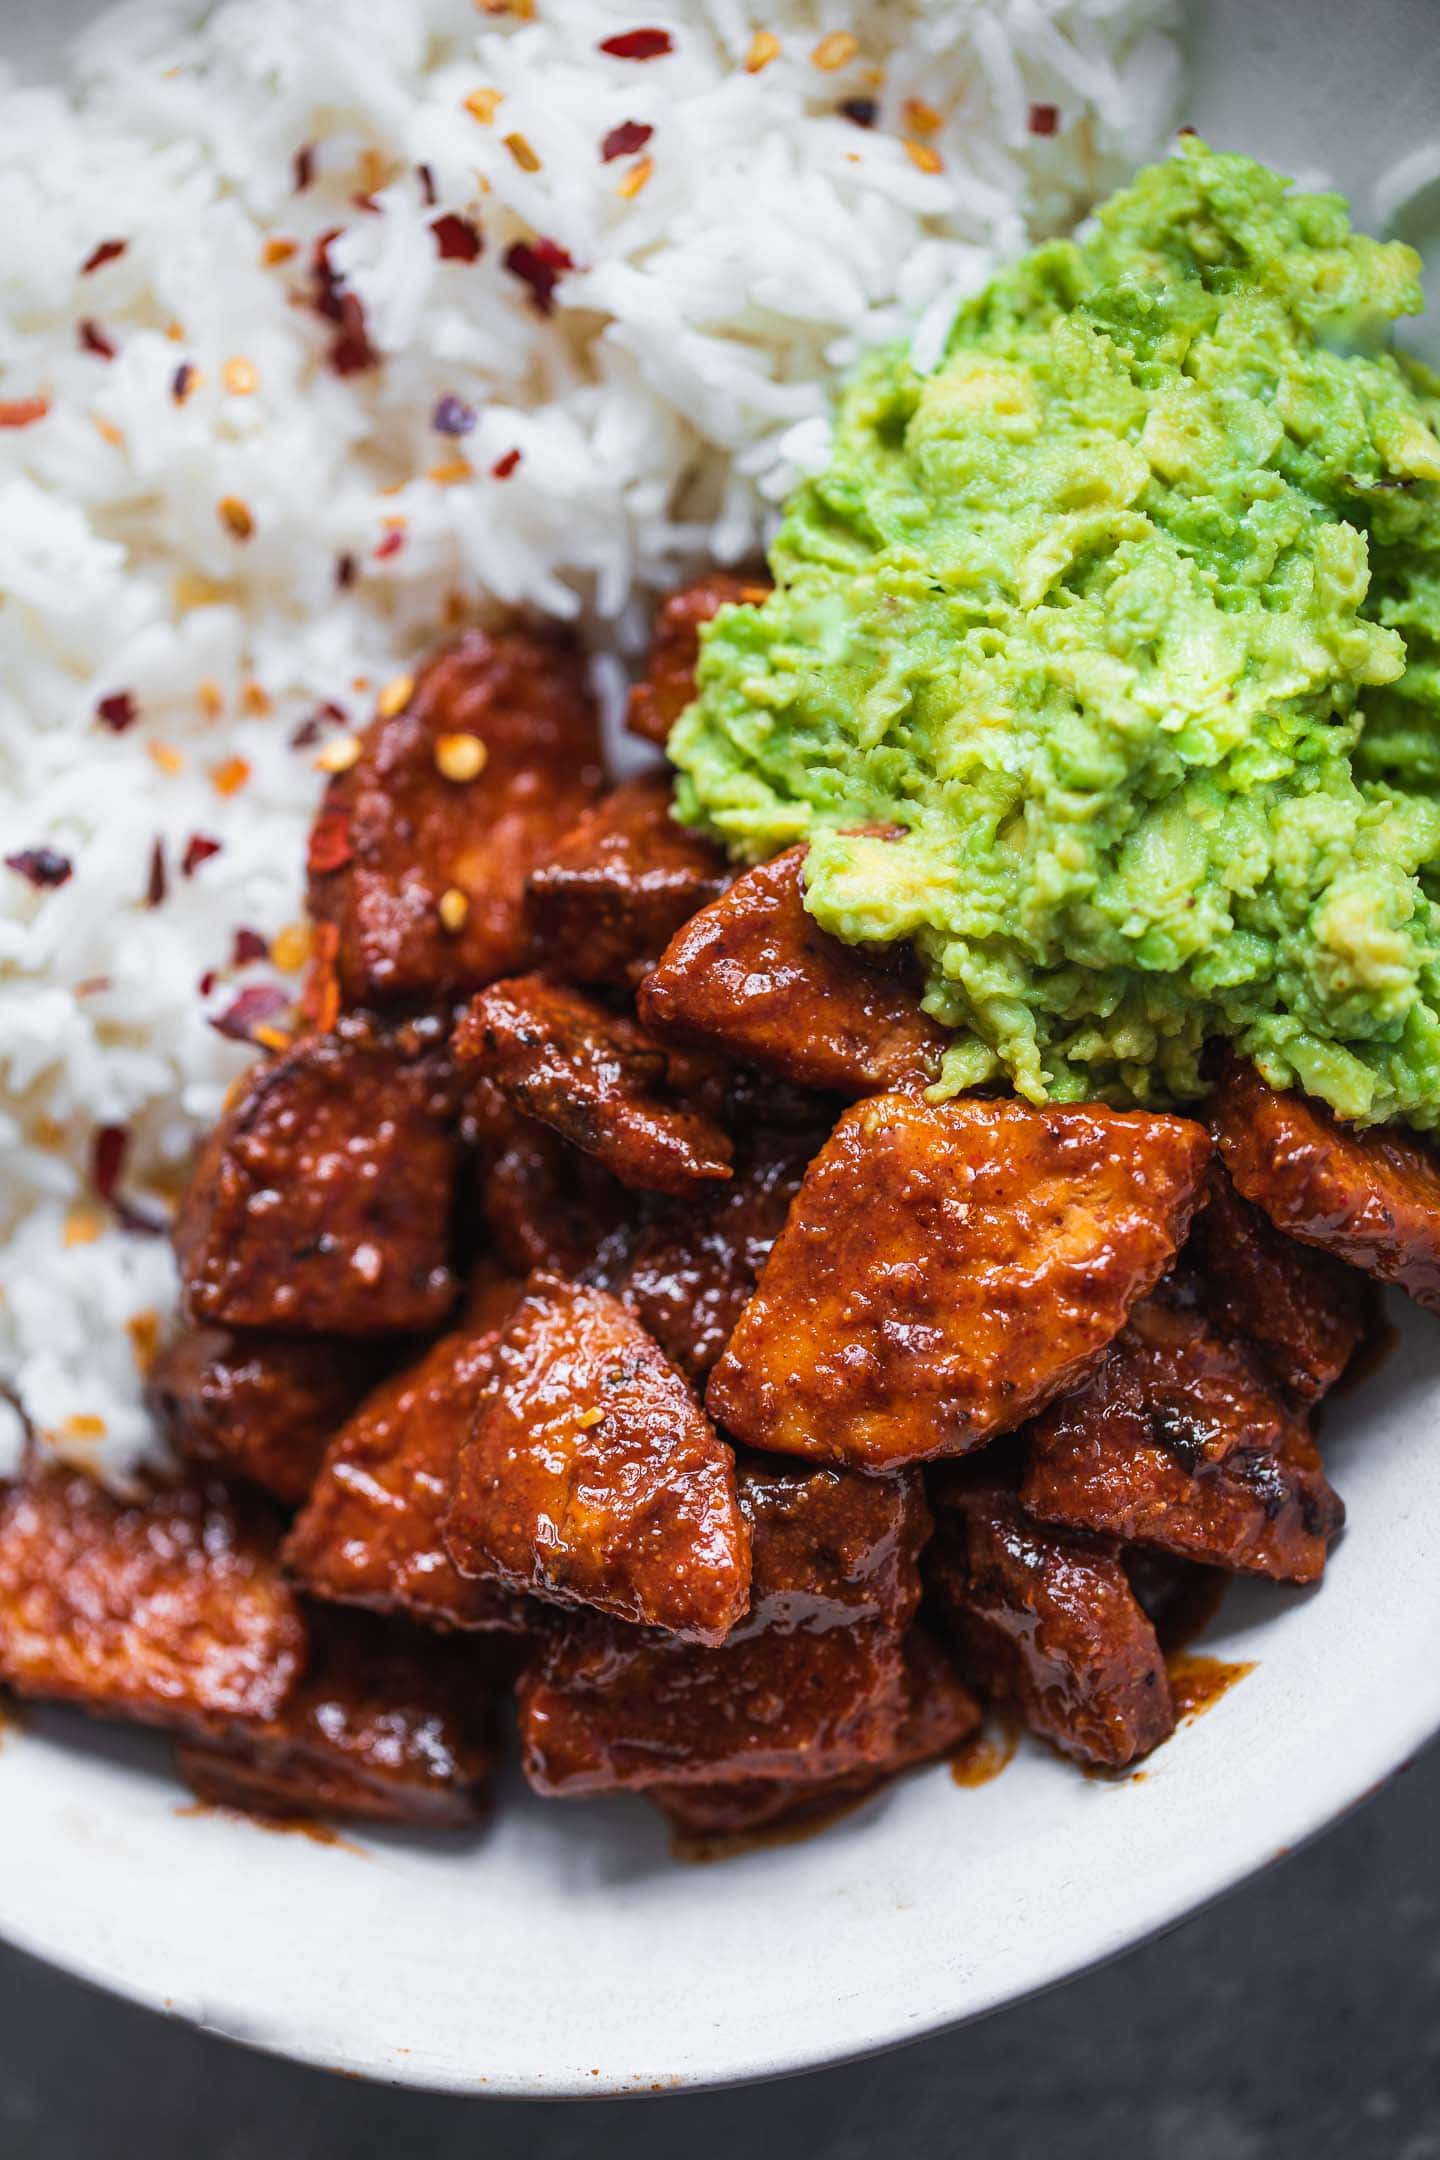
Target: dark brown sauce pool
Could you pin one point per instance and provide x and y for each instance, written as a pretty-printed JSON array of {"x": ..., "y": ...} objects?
[
  {"x": 1197, "y": 1682},
  {"x": 306, "y": 1826},
  {"x": 986, "y": 1753}
]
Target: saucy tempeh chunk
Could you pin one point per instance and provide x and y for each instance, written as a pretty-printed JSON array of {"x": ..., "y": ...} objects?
[
  {"x": 1177, "y": 1442},
  {"x": 1050, "y": 1619},
  {"x": 808, "y": 1686},
  {"x": 754, "y": 976},
  {"x": 592, "y": 1476},
  {"x": 1302, "y": 1311},
  {"x": 545, "y": 1205},
  {"x": 464, "y": 791},
  {"x": 387, "y": 1724},
  {"x": 170, "y": 1609},
  {"x": 938, "y": 1713},
  {"x": 657, "y": 703},
  {"x": 595, "y": 1078},
  {"x": 260, "y": 1406},
  {"x": 693, "y": 1264},
  {"x": 947, "y": 1269},
  {"x": 370, "y": 1532},
  {"x": 616, "y": 889},
  {"x": 1372, "y": 1198},
  {"x": 322, "y": 1201}
]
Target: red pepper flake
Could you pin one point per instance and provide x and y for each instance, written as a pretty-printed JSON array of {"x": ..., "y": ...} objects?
[
  {"x": 230, "y": 775},
  {"x": 236, "y": 517},
  {"x": 249, "y": 946},
  {"x": 351, "y": 353},
  {"x": 638, "y": 45},
  {"x": 320, "y": 998},
  {"x": 350, "y": 349},
  {"x": 93, "y": 339},
  {"x": 140, "y": 1222},
  {"x": 108, "y": 251},
  {"x": 182, "y": 381},
  {"x": 42, "y": 866},
  {"x": 22, "y": 412},
  {"x": 344, "y": 572},
  {"x": 427, "y": 185},
  {"x": 1044, "y": 119},
  {"x": 504, "y": 466},
  {"x": 367, "y": 203},
  {"x": 304, "y": 167},
  {"x": 864, "y": 111},
  {"x": 630, "y": 135},
  {"x": 309, "y": 730},
  {"x": 206, "y": 983},
  {"x": 261, "y": 1002},
  {"x": 108, "y": 1150},
  {"x": 330, "y": 847},
  {"x": 452, "y": 416},
  {"x": 1186, "y": 130},
  {"x": 117, "y": 711},
  {"x": 456, "y": 238},
  {"x": 156, "y": 884},
  {"x": 390, "y": 545},
  {"x": 198, "y": 849},
  {"x": 540, "y": 264}
]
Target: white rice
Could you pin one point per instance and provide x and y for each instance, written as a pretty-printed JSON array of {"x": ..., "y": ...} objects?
[{"x": 670, "y": 398}]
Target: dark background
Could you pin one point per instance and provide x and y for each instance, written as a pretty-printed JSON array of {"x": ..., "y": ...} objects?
[{"x": 1297, "y": 2020}]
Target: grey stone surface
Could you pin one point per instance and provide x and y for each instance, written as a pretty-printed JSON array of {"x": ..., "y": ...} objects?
[{"x": 1297, "y": 2020}]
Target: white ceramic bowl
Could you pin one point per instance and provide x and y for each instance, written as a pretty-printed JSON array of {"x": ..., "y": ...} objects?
[{"x": 565, "y": 1952}]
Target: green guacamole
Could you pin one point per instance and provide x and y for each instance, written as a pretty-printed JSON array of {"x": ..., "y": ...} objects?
[{"x": 1126, "y": 621}]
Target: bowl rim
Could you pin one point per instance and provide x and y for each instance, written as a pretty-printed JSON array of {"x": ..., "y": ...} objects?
[{"x": 1370, "y": 1777}]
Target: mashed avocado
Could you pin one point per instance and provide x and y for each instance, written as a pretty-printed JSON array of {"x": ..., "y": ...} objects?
[{"x": 1126, "y": 622}]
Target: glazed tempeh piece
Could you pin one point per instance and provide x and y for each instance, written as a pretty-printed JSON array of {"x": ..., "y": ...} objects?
[
  {"x": 948, "y": 1268},
  {"x": 1303, "y": 1312},
  {"x": 1372, "y": 1198},
  {"x": 1178, "y": 1443},
  {"x": 616, "y": 889},
  {"x": 370, "y": 1532},
  {"x": 529, "y": 1198},
  {"x": 754, "y": 976},
  {"x": 939, "y": 1712},
  {"x": 809, "y": 1686},
  {"x": 322, "y": 1201},
  {"x": 170, "y": 1609},
  {"x": 1050, "y": 1619},
  {"x": 420, "y": 853},
  {"x": 592, "y": 1476},
  {"x": 260, "y": 1406},
  {"x": 387, "y": 1724},
  {"x": 596, "y": 1079},
  {"x": 657, "y": 703}
]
